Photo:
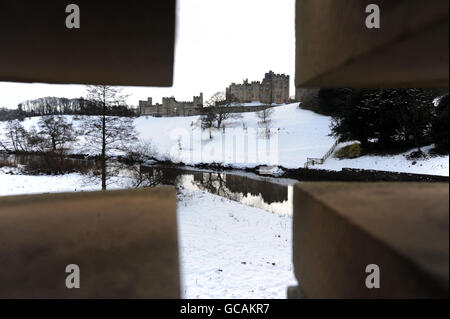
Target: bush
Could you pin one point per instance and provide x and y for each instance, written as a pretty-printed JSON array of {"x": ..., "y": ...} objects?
[
  {"x": 6, "y": 163},
  {"x": 350, "y": 151},
  {"x": 50, "y": 164},
  {"x": 140, "y": 152}
]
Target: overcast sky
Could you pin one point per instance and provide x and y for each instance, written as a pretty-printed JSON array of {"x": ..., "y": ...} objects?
[{"x": 217, "y": 42}]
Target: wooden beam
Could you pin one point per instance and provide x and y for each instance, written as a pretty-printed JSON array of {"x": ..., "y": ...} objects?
[
  {"x": 124, "y": 242},
  {"x": 118, "y": 43},
  {"x": 341, "y": 228},
  {"x": 334, "y": 47}
]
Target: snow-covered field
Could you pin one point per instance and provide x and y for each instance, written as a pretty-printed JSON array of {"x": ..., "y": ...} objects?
[{"x": 296, "y": 134}]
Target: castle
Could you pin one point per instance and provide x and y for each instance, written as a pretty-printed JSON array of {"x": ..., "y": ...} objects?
[
  {"x": 274, "y": 88},
  {"x": 171, "y": 107}
]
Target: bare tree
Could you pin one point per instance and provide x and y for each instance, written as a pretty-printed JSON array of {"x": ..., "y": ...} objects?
[
  {"x": 217, "y": 111},
  {"x": 223, "y": 114},
  {"x": 141, "y": 178},
  {"x": 208, "y": 120},
  {"x": 141, "y": 152},
  {"x": 265, "y": 120},
  {"x": 16, "y": 138},
  {"x": 58, "y": 132},
  {"x": 108, "y": 133}
]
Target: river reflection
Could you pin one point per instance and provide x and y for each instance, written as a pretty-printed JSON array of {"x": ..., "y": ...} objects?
[
  {"x": 248, "y": 189},
  {"x": 270, "y": 194}
]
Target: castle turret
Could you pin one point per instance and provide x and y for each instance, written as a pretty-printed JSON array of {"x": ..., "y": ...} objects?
[{"x": 198, "y": 100}]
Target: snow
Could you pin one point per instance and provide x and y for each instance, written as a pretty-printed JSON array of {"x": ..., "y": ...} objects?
[
  {"x": 434, "y": 165},
  {"x": 229, "y": 250},
  {"x": 296, "y": 134},
  {"x": 13, "y": 182},
  {"x": 27, "y": 184}
]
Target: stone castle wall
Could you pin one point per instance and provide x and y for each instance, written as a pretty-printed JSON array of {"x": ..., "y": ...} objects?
[
  {"x": 274, "y": 88},
  {"x": 171, "y": 107}
]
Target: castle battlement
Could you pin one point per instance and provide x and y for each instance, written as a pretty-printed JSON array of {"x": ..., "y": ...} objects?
[
  {"x": 171, "y": 107},
  {"x": 274, "y": 88}
]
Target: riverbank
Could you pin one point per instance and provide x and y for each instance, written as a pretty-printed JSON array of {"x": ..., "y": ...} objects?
[{"x": 307, "y": 174}]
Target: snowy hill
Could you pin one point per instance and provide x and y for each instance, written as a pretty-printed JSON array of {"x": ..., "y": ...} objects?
[{"x": 295, "y": 135}]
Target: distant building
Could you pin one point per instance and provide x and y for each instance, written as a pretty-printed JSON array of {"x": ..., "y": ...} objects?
[
  {"x": 274, "y": 88},
  {"x": 171, "y": 107}
]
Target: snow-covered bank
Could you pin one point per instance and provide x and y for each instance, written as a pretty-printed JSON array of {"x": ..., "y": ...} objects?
[
  {"x": 12, "y": 184},
  {"x": 432, "y": 165},
  {"x": 229, "y": 250}
]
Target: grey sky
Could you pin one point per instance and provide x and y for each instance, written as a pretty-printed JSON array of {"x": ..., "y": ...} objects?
[{"x": 217, "y": 42}]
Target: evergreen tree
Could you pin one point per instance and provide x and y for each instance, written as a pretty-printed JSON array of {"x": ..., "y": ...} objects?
[
  {"x": 439, "y": 130},
  {"x": 392, "y": 117}
]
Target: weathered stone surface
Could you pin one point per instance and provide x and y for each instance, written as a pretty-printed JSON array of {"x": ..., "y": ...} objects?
[
  {"x": 334, "y": 47},
  {"x": 125, "y": 243},
  {"x": 340, "y": 228}
]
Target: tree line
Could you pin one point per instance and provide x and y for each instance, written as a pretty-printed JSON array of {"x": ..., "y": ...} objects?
[{"x": 63, "y": 106}]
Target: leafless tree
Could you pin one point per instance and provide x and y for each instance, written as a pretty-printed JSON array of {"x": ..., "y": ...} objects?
[
  {"x": 265, "y": 115},
  {"x": 141, "y": 152},
  {"x": 216, "y": 99},
  {"x": 208, "y": 120},
  {"x": 16, "y": 138},
  {"x": 265, "y": 120},
  {"x": 108, "y": 133},
  {"x": 216, "y": 111},
  {"x": 140, "y": 178},
  {"x": 57, "y": 132}
]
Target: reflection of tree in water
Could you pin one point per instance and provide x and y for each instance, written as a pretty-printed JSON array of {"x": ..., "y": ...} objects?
[
  {"x": 234, "y": 187},
  {"x": 142, "y": 177},
  {"x": 270, "y": 192},
  {"x": 214, "y": 183}
]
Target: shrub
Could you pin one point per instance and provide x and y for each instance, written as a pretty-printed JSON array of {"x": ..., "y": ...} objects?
[
  {"x": 350, "y": 151},
  {"x": 50, "y": 164},
  {"x": 6, "y": 163}
]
